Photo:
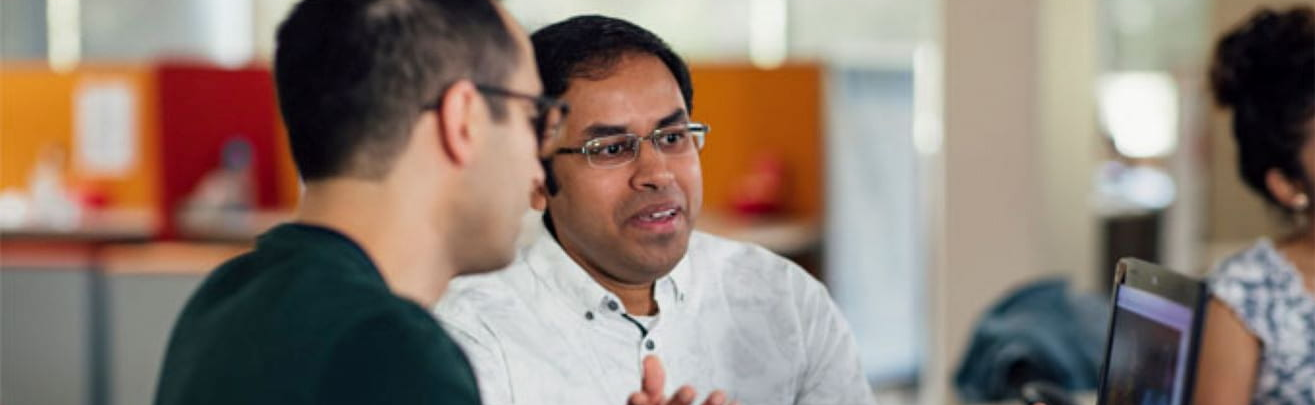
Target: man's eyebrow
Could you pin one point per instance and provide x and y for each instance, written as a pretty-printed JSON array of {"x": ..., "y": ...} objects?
[
  {"x": 675, "y": 117},
  {"x": 601, "y": 130}
]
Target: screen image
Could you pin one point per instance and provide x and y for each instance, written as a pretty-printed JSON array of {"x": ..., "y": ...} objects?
[{"x": 1148, "y": 357}]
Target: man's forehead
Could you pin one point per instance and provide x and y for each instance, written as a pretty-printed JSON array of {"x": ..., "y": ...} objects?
[
  {"x": 525, "y": 72},
  {"x": 527, "y": 78},
  {"x": 637, "y": 95},
  {"x": 604, "y": 127},
  {"x": 617, "y": 104},
  {"x": 630, "y": 76}
]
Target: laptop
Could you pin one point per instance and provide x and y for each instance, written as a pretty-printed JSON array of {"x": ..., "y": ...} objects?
[{"x": 1154, "y": 336}]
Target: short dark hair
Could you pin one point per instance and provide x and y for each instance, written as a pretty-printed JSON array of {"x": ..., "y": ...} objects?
[
  {"x": 1264, "y": 70},
  {"x": 352, "y": 75},
  {"x": 589, "y": 47}
]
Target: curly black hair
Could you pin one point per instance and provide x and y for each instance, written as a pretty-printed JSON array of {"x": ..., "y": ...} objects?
[{"x": 1264, "y": 70}]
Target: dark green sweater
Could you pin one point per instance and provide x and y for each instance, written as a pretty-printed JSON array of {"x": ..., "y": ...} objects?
[{"x": 306, "y": 318}]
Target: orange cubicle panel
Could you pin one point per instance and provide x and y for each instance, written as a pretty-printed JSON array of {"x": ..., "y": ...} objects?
[
  {"x": 39, "y": 113},
  {"x": 754, "y": 112},
  {"x": 289, "y": 181},
  {"x": 139, "y": 138}
]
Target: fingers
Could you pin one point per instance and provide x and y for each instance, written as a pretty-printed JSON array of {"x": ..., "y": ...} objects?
[
  {"x": 654, "y": 377},
  {"x": 684, "y": 396},
  {"x": 639, "y": 398},
  {"x": 717, "y": 398}
]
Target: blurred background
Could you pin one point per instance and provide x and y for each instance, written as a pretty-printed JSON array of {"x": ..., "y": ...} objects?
[{"x": 923, "y": 158}]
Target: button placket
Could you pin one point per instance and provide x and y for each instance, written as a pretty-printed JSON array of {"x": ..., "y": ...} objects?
[{"x": 646, "y": 347}]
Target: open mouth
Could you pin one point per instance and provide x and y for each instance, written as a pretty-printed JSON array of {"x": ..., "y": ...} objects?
[{"x": 659, "y": 217}]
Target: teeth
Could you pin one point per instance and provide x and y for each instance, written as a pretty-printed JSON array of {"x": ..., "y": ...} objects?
[{"x": 662, "y": 214}]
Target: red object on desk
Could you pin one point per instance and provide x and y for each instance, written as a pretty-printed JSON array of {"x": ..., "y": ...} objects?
[{"x": 760, "y": 191}]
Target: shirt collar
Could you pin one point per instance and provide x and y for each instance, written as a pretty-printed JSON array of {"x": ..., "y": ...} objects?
[{"x": 549, "y": 262}]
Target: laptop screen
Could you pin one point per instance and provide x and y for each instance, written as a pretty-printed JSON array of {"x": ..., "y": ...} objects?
[{"x": 1149, "y": 355}]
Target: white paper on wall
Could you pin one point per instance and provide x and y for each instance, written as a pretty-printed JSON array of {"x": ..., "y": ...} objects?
[{"x": 105, "y": 132}]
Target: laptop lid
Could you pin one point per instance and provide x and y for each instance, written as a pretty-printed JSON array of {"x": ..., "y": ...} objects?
[{"x": 1154, "y": 336}]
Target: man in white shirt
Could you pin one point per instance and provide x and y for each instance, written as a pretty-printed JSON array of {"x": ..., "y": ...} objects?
[{"x": 618, "y": 273}]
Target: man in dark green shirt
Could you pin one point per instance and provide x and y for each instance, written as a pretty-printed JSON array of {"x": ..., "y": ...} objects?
[
  {"x": 306, "y": 318},
  {"x": 413, "y": 124}
]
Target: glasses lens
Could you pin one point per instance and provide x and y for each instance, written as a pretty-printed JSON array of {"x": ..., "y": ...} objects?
[
  {"x": 549, "y": 120},
  {"x": 673, "y": 141},
  {"x": 698, "y": 134},
  {"x": 611, "y": 150}
]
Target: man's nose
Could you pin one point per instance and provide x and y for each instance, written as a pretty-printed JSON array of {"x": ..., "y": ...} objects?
[{"x": 651, "y": 170}]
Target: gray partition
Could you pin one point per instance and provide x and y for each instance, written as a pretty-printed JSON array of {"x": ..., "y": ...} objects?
[
  {"x": 46, "y": 337},
  {"x": 141, "y": 314}
]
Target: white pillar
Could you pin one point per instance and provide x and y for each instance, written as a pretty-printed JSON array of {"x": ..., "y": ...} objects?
[{"x": 1016, "y": 165}]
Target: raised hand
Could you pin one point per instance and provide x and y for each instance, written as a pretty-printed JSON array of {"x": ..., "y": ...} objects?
[{"x": 651, "y": 389}]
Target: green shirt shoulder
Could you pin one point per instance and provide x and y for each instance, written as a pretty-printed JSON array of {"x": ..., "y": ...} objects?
[{"x": 306, "y": 318}]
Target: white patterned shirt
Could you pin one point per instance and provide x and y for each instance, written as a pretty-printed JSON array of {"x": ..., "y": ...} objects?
[
  {"x": 732, "y": 316},
  {"x": 1268, "y": 294}
]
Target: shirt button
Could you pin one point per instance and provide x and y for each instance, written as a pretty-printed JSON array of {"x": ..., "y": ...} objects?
[
  {"x": 649, "y": 345},
  {"x": 589, "y": 315},
  {"x": 612, "y": 305}
]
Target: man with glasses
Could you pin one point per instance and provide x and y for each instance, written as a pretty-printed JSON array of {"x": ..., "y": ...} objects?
[
  {"x": 620, "y": 278},
  {"x": 415, "y": 126}
]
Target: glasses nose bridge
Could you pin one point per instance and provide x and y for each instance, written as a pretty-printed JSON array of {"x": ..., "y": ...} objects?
[
  {"x": 651, "y": 140},
  {"x": 651, "y": 172}
]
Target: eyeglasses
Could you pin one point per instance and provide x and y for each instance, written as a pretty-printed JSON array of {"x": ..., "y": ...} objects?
[
  {"x": 549, "y": 113},
  {"x": 616, "y": 150}
]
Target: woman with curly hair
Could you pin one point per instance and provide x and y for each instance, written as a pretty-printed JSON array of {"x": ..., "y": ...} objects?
[{"x": 1259, "y": 342}]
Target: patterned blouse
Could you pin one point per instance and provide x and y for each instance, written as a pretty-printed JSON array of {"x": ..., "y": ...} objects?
[{"x": 1268, "y": 294}]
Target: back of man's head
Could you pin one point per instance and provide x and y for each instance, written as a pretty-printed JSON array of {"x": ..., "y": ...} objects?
[{"x": 353, "y": 75}]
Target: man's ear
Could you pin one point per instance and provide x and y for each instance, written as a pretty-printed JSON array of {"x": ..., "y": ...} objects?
[{"x": 458, "y": 121}]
